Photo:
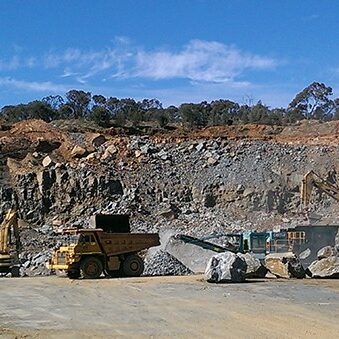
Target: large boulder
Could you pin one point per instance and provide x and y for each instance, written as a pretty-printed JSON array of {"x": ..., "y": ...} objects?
[
  {"x": 284, "y": 265},
  {"x": 276, "y": 266},
  {"x": 336, "y": 242},
  {"x": 295, "y": 268},
  {"x": 226, "y": 267},
  {"x": 325, "y": 268},
  {"x": 192, "y": 256},
  {"x": 255, "y": 269}
]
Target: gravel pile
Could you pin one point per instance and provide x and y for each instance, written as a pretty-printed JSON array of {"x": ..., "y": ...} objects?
[{"x": 162, "y": 263}]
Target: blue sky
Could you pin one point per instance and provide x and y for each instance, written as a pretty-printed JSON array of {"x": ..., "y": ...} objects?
[{"x": 175, "y": 51}]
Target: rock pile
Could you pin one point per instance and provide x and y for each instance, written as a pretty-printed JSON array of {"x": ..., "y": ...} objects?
[{"x": 162, "y": 263}]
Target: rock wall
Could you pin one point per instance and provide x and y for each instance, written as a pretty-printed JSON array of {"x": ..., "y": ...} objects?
[{"x": 209, "y": 184}]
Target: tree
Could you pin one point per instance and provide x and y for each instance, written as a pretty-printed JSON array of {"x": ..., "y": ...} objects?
[
  {"x": 336, "y": 109},
  {"x": 33, "y": 110},
  {"x": 222, "y": 112},
  {"x": 113, "y": 105},
  {"x": 79, "y": 101},
  {"x": 259, "y": 113},
  {"x": 150, "y": 104},
  {"x": 55, "y": 101},
  {"x": 14, "y": 113},
  {"x": 313, "y": 99},
  {"x": 172, "y": 112},
  {"x": 40, "y": 110},
  {"x": 100, "y": 115},
  {"x": 99, "y": 100},
  {"x": 194, "y": 114}
]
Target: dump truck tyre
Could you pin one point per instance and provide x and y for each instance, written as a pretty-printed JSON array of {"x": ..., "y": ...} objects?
[
  {"x": 133, "y": 266},
  {"x": 91, "y": 268}
]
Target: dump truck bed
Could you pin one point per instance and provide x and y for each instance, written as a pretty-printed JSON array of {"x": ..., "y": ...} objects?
[{"x": 120, "y": 243}]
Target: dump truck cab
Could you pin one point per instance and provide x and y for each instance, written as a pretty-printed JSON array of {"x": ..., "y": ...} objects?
[{"x": 91, "y": 252}]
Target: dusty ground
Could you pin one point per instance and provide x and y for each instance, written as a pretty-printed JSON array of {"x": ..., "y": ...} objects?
[{"x": 167, "y": 307}]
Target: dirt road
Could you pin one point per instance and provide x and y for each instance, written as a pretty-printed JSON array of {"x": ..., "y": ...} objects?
[{"x": 167, "y": 307}]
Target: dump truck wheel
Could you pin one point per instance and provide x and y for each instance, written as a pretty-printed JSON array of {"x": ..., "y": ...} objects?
[
  {"x": 133, "y": 266},
  {"x": 91, "y": 268}
]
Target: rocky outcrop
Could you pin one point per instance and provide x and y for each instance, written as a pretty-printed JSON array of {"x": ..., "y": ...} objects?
[{"x": 63, "y": 189}]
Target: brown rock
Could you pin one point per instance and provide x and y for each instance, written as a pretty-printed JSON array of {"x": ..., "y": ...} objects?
[
  {"x": 78, "y": 152},
  {"x": 97, "y": 140},
  {"x": 277, "y": 267},
  {"x": 47, "y": 161}
]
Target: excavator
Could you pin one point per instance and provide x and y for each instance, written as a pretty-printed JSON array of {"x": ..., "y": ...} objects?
[
  {"x": 312, "y": 179},
  {"x": 9, "y": 244}
]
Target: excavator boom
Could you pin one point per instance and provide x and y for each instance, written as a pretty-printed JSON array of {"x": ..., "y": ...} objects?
[
  {"x": 7, "y": 258},
  {"x": 310, "y": 180}
]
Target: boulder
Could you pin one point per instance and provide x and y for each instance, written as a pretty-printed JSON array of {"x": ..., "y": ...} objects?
[
  {"x": 97, "y": 140},
  {"x": 48, "y": 162},
  {"x": 110, "y": 151},
  {"x": 284, "y": 265},
  {"x": 255, "y": 269},
  {"x": 325, "y": 252},
  {"x": 78, "y": 152},
  {"x": 325, "y": 268},
  {"x": 295, "y": 268},
  {"x": 275, "y": 265},
  {"x": 336, "y": 242},
  {"x": 226, "y": 267},
  {"x": 192, "y": 256}
]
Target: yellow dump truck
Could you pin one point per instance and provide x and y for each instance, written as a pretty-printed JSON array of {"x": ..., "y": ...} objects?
[{"x": 111, "y": 250}]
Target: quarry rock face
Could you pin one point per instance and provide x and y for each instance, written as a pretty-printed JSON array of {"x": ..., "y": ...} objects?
[
  {"x": 226, "y": 267},
  {"x": 198, "y": 183}
]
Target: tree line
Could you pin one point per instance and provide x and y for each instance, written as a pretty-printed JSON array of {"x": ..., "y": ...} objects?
[{"x": 313, "y": 102}]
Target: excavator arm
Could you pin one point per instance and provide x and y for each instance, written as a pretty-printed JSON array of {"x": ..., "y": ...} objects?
[
  {"x": 310, "y": 180},
  {"x": 10, "y": 221}
]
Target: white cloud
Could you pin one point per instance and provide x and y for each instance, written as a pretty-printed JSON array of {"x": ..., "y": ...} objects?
[
  {"x": 200, "y": 61},
  {"x": 11, "y": 64},
  {"x": 46, "y": 86}
]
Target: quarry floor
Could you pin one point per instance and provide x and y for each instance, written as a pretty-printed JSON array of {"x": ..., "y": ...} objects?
[{"x": 56, "y": 307}]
